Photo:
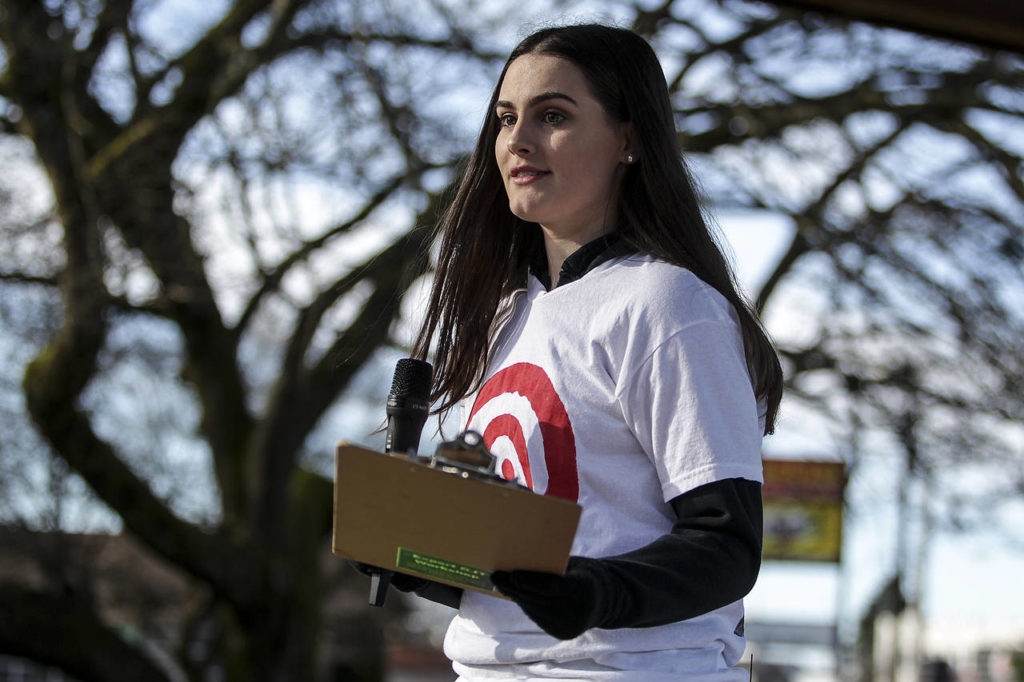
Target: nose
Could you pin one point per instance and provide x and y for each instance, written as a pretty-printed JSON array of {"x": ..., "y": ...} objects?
[{"x": 518, "y": 142}]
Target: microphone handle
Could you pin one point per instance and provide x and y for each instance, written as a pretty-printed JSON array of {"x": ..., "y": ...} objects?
[
  {"x": 404, "y": 427},
  {"x": 403, "y": 436},
  {"x": 380, "y": 580},
  {"x": 407, "y": 408}
]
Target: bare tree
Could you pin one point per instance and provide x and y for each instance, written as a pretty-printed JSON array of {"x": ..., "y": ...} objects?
[
  {"x": 233, "y": 205},
  {"x": 897, "y": 159}
]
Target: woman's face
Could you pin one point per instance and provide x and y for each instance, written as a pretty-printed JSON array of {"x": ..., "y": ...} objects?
[{"x": 558, "y": 153}]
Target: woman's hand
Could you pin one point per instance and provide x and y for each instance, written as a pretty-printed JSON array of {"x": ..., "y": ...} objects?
[{"x": 563, "y": 606}]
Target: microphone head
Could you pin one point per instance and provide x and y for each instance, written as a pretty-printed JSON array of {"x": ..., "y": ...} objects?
[{"x": 411, "y": 381}]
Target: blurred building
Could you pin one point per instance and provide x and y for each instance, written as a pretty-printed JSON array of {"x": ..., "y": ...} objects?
[{"x": 148, "y": 602}]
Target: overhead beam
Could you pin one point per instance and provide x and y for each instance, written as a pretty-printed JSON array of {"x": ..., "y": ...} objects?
[{"x": 997, "y": 24}]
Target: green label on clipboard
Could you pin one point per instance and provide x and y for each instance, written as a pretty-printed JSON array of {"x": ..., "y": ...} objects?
[{"x": 435, "y": 567}]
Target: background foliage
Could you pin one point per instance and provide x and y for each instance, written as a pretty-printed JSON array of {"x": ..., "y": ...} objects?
[{"x": 215, "y": 224}]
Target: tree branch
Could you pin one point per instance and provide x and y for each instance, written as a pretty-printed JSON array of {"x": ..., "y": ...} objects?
[
  {"x": 959, "y": 92},
  {"x": 321, "y": 38},
  {"x": 812, "y": 219},
  {"x": 24, "y": 278},
  {"x": 1009, "y": 166},
  {"x": 301, "y": 396},
  {"x": 730, "y": 46},
  {"x": 215, "y": 558},
  {"x": 61, "y": 629},
  {"x": 201, "y": 88},
  {"x": 273, "y": 279}
]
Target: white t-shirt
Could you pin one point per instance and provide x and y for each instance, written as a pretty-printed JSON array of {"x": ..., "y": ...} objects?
[{"x": 620, "y": 391}]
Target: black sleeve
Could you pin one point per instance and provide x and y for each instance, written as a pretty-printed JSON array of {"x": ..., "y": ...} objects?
[
  {"x": 710, "y": 558},
  {"x": 440, "y": 593}
]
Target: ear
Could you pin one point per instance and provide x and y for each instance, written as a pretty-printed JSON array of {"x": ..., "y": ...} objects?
[{"x": 626, "y": 151}]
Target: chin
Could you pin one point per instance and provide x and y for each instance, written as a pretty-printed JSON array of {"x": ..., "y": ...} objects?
[{"x": 525, "y": 214}]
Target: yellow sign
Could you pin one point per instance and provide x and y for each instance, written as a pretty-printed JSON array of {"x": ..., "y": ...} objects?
[{"x": 803, "y": 510}]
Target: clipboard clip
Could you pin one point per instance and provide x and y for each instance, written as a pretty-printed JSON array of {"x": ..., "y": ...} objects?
[{"x": 468, "y": 457}]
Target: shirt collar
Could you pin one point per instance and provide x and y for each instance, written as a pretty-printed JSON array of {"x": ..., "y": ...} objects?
[{"x": 582, "y": 260}]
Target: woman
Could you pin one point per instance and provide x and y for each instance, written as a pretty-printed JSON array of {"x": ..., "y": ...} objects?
[{"x": 586, "y": 319}]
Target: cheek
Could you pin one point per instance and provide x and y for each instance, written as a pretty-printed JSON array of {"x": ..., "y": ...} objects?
[
  {"x": 500, "y": 161},
  {"x": 498, "y": 146},
  {"x": 591, "y": 155},
  {"x": 590, "y": 169}
]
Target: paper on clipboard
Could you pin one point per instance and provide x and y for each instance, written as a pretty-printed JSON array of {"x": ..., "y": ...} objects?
[{"x": 392, "y": 512}]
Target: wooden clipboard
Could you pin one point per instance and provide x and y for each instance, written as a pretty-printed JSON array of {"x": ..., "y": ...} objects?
[{"x": 405, "y": 516}]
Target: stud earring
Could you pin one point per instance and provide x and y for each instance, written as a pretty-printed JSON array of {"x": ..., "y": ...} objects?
[{"x": 629, "y": 158}]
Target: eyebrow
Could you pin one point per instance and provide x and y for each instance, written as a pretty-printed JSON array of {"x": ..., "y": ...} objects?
[{"x": 543, "y": 97}]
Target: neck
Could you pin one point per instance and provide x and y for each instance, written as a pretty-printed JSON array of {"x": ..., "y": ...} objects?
[{"x": 558, "y": 248}]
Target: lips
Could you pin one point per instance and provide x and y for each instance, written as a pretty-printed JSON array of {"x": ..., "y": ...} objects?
[{"x": 524, "y": 175}]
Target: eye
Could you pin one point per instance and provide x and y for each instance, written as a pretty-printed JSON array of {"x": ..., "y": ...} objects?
[
  {"x": 507, "y": 120},
  {"x": 553, "y": 117}
]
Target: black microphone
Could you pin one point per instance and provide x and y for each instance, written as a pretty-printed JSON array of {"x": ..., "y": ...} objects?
[
  {"x": 408, "y": 405},
  {"x": 407, "y": 409}
]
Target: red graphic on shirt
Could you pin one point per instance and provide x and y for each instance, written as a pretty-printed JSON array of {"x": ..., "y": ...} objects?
[{"x": 559, "y": 457}]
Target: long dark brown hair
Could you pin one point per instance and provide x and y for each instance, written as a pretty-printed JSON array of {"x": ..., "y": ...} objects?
[{"x": 485, "y": 249}]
